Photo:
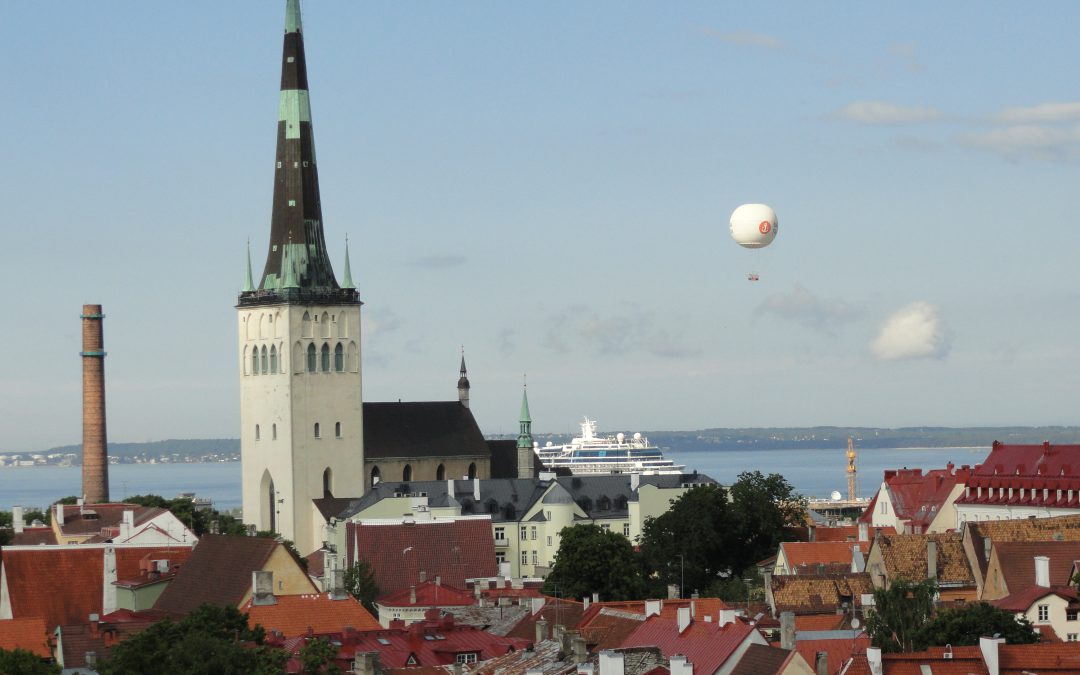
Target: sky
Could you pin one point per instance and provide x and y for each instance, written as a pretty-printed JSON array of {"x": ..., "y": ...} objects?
[{"x": 548, "y": 185}]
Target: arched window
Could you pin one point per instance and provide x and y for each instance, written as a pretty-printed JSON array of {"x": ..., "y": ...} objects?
[
  {"x": 316, "y": 430},
  {"x": 273, "y": 432},
  {"x": 325, "y": 325},
  {"x": 337, "y": 429},
  {"x": 312, "y": 358},
  {"x": 339, "y": 358},
  {"x": 472, "y": 470},
  {"x": 374, "y": 476},
  {"x": 326, "y": 358},
  {"x": 255, "y": 361},
  {"x": 273, "y": 358},
  {"x": 440, "y": 473},
  {"x": 406, "y": 473},
  {"x": 328, "y": 482},
  {"x": 305, "y": 325},
  {"x": 256, "y": 432},
  {"x": 265, "y": 367}
]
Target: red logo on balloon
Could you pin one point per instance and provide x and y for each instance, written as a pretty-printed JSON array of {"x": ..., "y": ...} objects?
[{"x": 765, "y": 226}]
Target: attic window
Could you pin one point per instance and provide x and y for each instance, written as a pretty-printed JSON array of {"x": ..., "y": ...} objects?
[
  {"x": 383, "y": 641},
  {"x": 290, "y": 59},
  {"x": 292, "y": 202},
  {"x": 279, "y": 165}
]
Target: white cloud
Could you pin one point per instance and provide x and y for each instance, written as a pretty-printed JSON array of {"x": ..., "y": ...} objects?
[
  {"x": 914, "y": 332},
  {"x": 1043, "y": 112},
  {"x": 746, "y": 38},
  {"x": 879, "y": 112},
  {"x": 1029, "y": 141},
  {"x": 803, "y": 306}
]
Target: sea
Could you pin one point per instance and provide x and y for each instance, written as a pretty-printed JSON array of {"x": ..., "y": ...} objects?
[{"x": 812, "y": 472}]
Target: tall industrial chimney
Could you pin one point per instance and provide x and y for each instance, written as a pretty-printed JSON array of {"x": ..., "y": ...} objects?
[{"x": 95, "y": 458}]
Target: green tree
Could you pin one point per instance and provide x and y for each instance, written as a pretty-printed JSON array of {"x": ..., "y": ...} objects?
[
  {"x": 965, "y": 625},
  {"x": 687, "y": 546},
  {"x": 23, "y": 662},
  {"x": 360, "y": 583},
  {"x": 593, "y": 560},
  {"x": 899, "y": 614},
  {"x": 198, "y": 520},
  {"x": 317, "y": 658},
  {"x": 210, "y": 640},
  {"x": 763, "y": 509}
]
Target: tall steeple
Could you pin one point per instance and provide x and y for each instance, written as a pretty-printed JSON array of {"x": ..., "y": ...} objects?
[
  {"x": 525, "y": 455},
  {"x": 346, "y": 281},
  {"x": 296, "y": 221},
  {"x": 463, "y": 382}
]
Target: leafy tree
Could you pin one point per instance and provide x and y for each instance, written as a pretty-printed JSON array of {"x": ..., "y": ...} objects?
[
  {"x": 593, "y": 560},
  {"x": 23, "y": 662},
  {"x": 198, "y": 520},
  {"x": 688, "y": 545},
  {"x": 899, "y": 614},
  {"x": 763, "y": 508},
  {"x": 210, "y": 640},
  {"x": 317, "y": 657},
  {"x": 360, "y": 583},
  {"x": 964, "y": 625}
]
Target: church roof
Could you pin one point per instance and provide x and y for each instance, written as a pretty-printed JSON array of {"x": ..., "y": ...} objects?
[{"x": 421, "y": 429}]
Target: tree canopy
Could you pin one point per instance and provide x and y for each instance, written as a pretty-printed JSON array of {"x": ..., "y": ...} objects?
[
  {"x": 199, "y": 520},
  {"x": 23, "y": 662},
  {"x": 965, "y": 625},
  {"x": 593, "y": 560},
  {"x": 360, "y": 583},
  {"x": 211, "y": 640},
  {"x": 900, "y": 611}
]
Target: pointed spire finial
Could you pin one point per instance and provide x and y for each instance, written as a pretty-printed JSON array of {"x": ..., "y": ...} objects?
[
  {"x": 347, "y": 282},
  {"x": 249, "y": 285},
  {"x": 524, "y": 439},
  {"x": 292, "y": 17}
]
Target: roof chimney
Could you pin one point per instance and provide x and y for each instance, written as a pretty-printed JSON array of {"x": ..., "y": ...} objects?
[
  {"x": 864, "y": 531},
  {"x": 585, "y": 602},
  {"x": 652, "y": 607},
  {"x": 541, "y": 630},
  {"x": 412, "y": 594},
  {"x": 476, "y": 489},
  {"x": 17, "y": 519},
  {"x": 262, "y": 584},
  {"x": 337, "y": 584},
  {"x": 787, "y": 630},
  {"x": 578, "y": 649},
  {"x": 726, "y": 616},
  {"x": 683, "y": 615},
  {"x": 931, "y": 559},
  {"x": 873, "y": 657},
  {"x": 537, "y": 605},
  {"x": 611, "y": 662},
  {"x": 367, "y": 663},
  {"x": 989, "y": 648},
  {"x": 821, "y": 663},
  {"x": 1042, "y": 571},
  {"x": 679, "y": 666},
  {"x": 635, "y": 481}
]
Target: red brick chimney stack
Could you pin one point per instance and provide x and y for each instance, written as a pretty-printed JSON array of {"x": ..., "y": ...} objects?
[{"x": 95, "y": 458}]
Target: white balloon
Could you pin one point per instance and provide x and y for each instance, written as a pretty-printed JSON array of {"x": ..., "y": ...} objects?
[{"x": 754, "y": 225}]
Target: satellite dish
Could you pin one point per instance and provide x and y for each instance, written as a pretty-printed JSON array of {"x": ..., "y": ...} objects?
[
  {"x": 855, "y": 624},
  {"x": 754, "y": 225},
  {"x": 836, "y": 496}
]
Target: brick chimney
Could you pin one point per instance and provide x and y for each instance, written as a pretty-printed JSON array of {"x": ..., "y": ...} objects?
[
  {"x": 683, "y": 615},
  {"x": 787, "y": 630},
  {"x": 17, "y": 519},
  {"x": 262, "y": 588},
  {"x": 931, "y": 559},
  {"x": 95, "y": 485},
  {"x": 541, "y": 630}
]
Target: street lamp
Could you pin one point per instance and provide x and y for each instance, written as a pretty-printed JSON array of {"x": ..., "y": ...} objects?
[
  {"x": 682, "y": 575},
  {"x": 748, "y": 582}
]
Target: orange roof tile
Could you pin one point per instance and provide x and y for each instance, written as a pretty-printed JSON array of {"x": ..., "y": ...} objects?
[
  {"x": 1053, "y": 657},
  {"x": 812, "y": 553},
  {"x": 28, "y": 634},
  {"x": 817, "y": 594},
  {"x": 839, "y": 650},
  {"x": 294, "y": 615},
  {"x": 904, "y": 556}
]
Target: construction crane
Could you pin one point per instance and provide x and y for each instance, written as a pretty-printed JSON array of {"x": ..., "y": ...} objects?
[{"x": 851, "y": 469}]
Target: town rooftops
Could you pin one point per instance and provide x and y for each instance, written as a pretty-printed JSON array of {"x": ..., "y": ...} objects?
[
  {"x": 293, "y": 615},
  {"x": 809, "y": 556},
  {"x": 406, "y": 554},
  {"x": 28, "y": 634},
  {"x": 1016, "y": 560},
  {"x": 918, "y": 497},
  {"x": 706, "y": 644},
  {"x": 818, "y": 594},
  {"x": 838, "y": 650},
  {"x": 976, "y": 534},
  {"x": 555, "y": 611},
  {"x": 429, "y": 594}
]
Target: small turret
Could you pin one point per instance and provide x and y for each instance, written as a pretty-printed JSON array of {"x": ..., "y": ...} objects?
[
  {"x": 249, "y": 283},
  {"x": 347, "y": 282},
  {"x": 525, "y": 440},
  {"x": 463, "y": 382}
]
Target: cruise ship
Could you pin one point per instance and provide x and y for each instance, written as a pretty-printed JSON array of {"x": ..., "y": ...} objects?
[{"x": 592, "y": 454}]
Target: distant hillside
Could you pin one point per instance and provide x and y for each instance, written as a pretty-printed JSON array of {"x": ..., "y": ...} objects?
[{"x": 689, "y": 441}]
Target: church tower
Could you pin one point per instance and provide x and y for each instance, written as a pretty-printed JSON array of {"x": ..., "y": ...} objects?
[
  {"x": 525, "y": 450},
  {"x": 463, "y": 382},
  {"x": 301, "y": 414}
]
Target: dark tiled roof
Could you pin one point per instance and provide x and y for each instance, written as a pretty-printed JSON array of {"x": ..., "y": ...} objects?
[
  {"x": 706, "y": 645},
  {"x": 817, "y": 594},
  {"x": 218, "y": 572},
  {"x": 425, "y": 429},
  {"x": 762, "y": 660},
  {"x": 454, "y": 550},
  {"x": 1017, "y": 561},
  {"x": 1060, "y": 528},
  {"x": 92, "y": 518},
  {"x": 559, "y": 611},
  {"x": 78, "y": 639},
  {"x": 904, "y": 557},
  {"x": 34, "y": 536}
]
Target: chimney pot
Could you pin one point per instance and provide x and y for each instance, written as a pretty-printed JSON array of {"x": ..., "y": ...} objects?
[
  {"x": 262, "y": 585},
  {"x": 17, "y": 519},
  {"x": 1042, "y": 571},
  {"x": 683, "y": 615},
  {"x": 787, "y": 630}
]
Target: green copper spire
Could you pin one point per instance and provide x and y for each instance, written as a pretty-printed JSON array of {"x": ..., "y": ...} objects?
[
  {"x": 347, "y": 282},
  {"x": 524, "y": 439},
  {"x": 292, "y": 17},
  {"x": 249, "y": 285}
]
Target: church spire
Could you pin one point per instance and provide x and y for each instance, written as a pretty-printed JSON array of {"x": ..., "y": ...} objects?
[
  {"x": 525, "y": 421},
  {"x": 463, "y": 382},
  {"x": 249, "y": 285},
  {"x": 296, "y": 221},
  {"x": 346, "y": 281}
]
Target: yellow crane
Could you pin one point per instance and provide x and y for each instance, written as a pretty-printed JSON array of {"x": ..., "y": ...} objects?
[{"x": 851, "y": 469}]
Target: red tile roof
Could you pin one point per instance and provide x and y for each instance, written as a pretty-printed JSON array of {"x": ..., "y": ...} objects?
[
  {"x": 964, "y": 661},
  {"x": 1016, "y": 560},
  {"x": 454, "y": 550},
  {"x": 101, "y": 636},
  {"x": 555, "y": 611},
  {"x": 707, "y": 645},
  {"x": 91, "y": 519},
  {"x": 669, "y": 608},
  {"x": 808, "y": 555},
  {"x": 429, "y": 594},
  {"x": 1026, "y": 475},
  {"x": 609, "y": 628},
  {"x": 820, "y": 621},
  {"x": 1054, "y": 657},
  {"x": 217, "y": 572},
  {"x": 294, "y": 615},
  {"x": 838, "y": 651},
  {"x": 762, "y": 660},
  {"x": 78, "y": 570},
  {"x": 917, "y": 497},
  {"x": 28, "y": 634}
]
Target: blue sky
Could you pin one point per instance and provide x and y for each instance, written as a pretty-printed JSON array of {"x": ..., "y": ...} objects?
[{"x": 549, "y": 184}]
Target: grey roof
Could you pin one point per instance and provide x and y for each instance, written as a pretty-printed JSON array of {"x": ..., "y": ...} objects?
[
  {"x": 421, "y": 429},
  {"x": 507, "y": 499}
]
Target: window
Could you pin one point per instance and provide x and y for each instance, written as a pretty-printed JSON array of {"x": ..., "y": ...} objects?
[
  {"x": 440, "y": 472},
  {"x": 884, "y": 507},
  {"x": 535, "y": 558},
  {"x": 326, "y": 358},
  {"x": 406, "y": 473},
  {"x": 273, "y": 359},
  {"x": 256, "y": 432},
  {"x": 273, "y": 432},
  {"x": 524, "y": 534},
  {"x": 311, "y": 358},
  {"x": 500, "y": 557},
  {"x": 255, "y": 361},
  {"x": 532, "y": 533},
  {"x": 339, "y": 358},
  {"x": 472, "y": 470},
  {"x": 1070, "y": 614},
  {"x": 337, "y": 429},
  {"x": 1070, "y": 637},
  {"x": 549, "y": 540},
  {"x": 606, "y": 527},
  {"x": 316, "y": 430},
  {"x": 467, "y": 657},
  {"x": 374, "y": 476},
  {"x": 524, "y": 557},
  {"x": 626, "y": 529},
  {"x": 500, "y": 533},
  {"x": 1044, "y": 613}
]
